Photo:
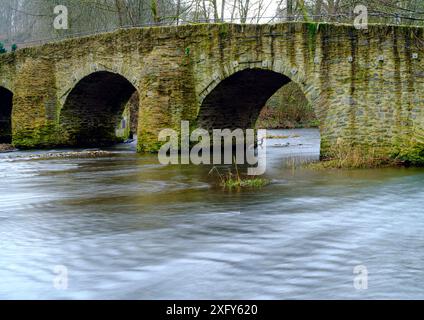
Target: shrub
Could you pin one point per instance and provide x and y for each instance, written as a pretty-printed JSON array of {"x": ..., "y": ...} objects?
[
  {"x": 231, "y": 181},
  {"x": 411, "y": 155},
  {"x": 2, "y": 49},
  {"x": 347, "y": 156}
]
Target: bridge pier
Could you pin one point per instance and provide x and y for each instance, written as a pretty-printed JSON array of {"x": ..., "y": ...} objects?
[
  {"x": 167, "y": 96},
  {"x": 35, "y": 106},
  {"x": 366, "y": 86}
]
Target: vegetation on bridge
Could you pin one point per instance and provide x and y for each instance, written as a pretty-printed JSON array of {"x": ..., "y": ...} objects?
[{"x": 25, "y": 21}]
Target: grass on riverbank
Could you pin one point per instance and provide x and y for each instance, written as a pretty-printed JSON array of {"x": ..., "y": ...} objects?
[
  {"x": 231, "y": 181},
  {"x": 353, "y": 157}
]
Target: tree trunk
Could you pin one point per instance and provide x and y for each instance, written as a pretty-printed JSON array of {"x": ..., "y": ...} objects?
[
  {"x": 215, "y": 11},
  {"x": 178, "y": 11},
  {"x": 118, "y": 6},
  {"x": 318, "y": 8},
  {"x": 155, "y": 11},
  {"x": 289, "y": 10}
]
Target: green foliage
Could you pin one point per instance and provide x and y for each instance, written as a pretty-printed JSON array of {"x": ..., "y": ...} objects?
[
  {"x": 223, "y": 30},
  {"x": 252, "y": 183},
  {"x": 345, "y": 155},
  {"x": 14, "y": 47},
  {"x": 312, "y": 28},
  {"x": 231, "y": 181},
  {"x": 412, "y": 155},
  {"x": 2, "y": 48}
]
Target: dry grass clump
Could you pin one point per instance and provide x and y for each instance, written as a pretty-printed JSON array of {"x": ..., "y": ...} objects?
[
  {"x": 235, "y": 181},
  {"x": 344, "y": 156}
]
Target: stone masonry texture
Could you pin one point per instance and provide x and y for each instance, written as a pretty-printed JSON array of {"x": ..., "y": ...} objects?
[{"x": 366, "y": 86}]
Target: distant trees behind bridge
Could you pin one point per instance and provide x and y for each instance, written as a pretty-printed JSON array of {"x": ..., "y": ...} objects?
[{"x": 23, "y": 21}]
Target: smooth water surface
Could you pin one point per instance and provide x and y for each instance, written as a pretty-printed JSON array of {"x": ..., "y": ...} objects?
[{"x": 126, "y": 227}]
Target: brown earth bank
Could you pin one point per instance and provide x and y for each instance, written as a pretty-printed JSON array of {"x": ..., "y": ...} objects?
[{"x": 6, "y": 147}]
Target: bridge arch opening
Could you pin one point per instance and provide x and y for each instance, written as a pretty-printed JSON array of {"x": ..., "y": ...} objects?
[
  {"x": 237, "y": 101},
  {"x": 94, "y": 109},
  {"x": 6, "y": 103}
]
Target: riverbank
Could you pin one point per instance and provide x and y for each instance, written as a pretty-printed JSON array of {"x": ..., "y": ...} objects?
[
  {"x": 61, "y": 155},
  {"x": 351, "y": 157},
  {"x": 6, "y": 147},
  {"x": 355, "y": 163}
]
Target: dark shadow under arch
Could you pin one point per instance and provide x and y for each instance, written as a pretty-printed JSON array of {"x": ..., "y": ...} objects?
[
  {"x": 6, "y": 103},
  {"x": 238, "y": 100},
  {"x": 94, "y": 108}
]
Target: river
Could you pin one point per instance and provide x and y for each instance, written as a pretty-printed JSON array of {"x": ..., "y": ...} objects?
[{"x": 125, "y": 227}]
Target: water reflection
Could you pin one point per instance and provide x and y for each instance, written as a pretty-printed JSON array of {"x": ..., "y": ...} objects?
[{"x": 126, "y": 227}]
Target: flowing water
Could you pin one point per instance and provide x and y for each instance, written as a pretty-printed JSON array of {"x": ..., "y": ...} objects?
[{"x": 124, "y": 226}]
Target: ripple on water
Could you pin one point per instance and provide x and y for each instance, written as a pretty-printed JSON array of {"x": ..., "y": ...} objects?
[{"x": 126, "y": 227}]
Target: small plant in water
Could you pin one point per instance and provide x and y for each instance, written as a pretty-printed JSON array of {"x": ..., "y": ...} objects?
[{"x": 230, "y": 180}]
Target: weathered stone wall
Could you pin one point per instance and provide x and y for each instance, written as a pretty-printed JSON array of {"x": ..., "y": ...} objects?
[{"x": 366, "y": 86}]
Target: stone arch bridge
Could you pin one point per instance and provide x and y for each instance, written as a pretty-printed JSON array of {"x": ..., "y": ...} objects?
[{"x": 366, "y": 86}]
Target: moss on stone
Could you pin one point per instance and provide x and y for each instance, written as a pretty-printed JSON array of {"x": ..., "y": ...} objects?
[
  {"x": 410, "y": 153},
  {"x": 172, "y": 83}
]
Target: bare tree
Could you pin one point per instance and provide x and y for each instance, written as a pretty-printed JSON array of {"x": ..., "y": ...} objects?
[{"x": 25, "y": 20}]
